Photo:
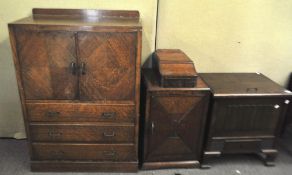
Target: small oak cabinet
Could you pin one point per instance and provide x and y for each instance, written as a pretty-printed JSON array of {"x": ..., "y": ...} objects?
[
  {"x": 246, "y": 115},
  {"x": 78, "y": 75},
  {"x": 173, "y": 124}
]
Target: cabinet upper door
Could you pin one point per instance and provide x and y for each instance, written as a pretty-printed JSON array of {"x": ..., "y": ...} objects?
[
  {"x": 175, "y": 127},
  {"x": 45, "y": 64},
  {"x": 107, "y": 64}
]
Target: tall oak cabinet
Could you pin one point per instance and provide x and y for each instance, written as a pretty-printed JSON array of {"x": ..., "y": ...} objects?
[{"x": 78, "y": 74}]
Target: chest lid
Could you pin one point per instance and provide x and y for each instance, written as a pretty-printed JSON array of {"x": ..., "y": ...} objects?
[
  {"x": 174, "y": 68},
  {"x": 243, "y": 84}
]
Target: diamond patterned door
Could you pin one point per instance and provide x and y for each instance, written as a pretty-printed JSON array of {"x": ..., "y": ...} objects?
[
  {"x": 107, "y": 63},
  {"x": 175, "y": 127},
  {"x": 45, "y": 64}
]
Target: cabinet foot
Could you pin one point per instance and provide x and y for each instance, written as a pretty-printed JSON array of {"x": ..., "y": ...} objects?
[
  {"x": 268, "y": 156},
  {"x": 208, "y": 155},
  {"x": 205, "y": 166}
]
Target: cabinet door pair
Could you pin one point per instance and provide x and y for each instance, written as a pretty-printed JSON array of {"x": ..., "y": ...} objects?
[{"x": 77, "y": 65}]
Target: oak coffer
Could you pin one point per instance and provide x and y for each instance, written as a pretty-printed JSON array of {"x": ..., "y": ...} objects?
[
  {"x": 78, "y": 74},
  {"x": 246, "y": 115},
  {"x": 172, "y": 123}
]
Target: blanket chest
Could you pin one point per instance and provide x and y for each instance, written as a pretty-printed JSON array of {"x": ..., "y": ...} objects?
[{"x": 246, "y": 115}]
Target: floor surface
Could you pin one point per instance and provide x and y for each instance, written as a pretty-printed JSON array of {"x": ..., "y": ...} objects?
[{"x": 14, "y": 160}]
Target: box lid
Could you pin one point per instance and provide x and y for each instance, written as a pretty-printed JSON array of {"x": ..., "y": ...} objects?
[
  {"x": 174, "y": 63},
  {"x": 242, "y": 84}
]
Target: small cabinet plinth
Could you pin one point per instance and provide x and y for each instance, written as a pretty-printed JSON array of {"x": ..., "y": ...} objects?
[
  {"x": 246, "y": 115},
  {"x": 172, "y": 123}
]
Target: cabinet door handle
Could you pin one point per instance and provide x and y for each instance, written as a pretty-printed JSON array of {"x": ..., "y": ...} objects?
[
  {"x": 82, "y": 68},
  {"x": 276, "y": 106},
  {"x": 52, "y": 113},
  {"x": 73, "y": 68},
  {"x": 152, "y": 127}
]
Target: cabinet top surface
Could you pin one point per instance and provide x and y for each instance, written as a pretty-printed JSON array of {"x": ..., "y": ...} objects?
[
  {"x": 242, "y": 84},
  {"x": 153, "y": 84},
  {"x": 82, "y": 17}
]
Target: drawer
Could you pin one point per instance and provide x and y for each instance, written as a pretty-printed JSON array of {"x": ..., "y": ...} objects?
[
  {"x": 64, "y": 112},
  {"x": 104, "y": 152},
  {"x": 242, "y": 146},
  {"x": 82, "y": 133}
]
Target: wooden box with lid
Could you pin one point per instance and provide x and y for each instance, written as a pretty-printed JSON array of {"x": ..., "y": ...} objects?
[
  {"x": 78, "y": 74},
  {"x": 174, "y": 68},
  {"x": 246, "y": 115}
]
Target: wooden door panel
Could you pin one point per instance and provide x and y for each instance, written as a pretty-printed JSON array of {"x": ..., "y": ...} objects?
[
  {"x": 175, "y": 124},
  {"x": 109, "y": 65},
  {"x": 45, "y": 59}
]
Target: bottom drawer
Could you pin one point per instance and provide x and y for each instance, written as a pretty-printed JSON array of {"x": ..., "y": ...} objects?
[
  {"x": 104, "y": 152},
  {"x": 242, "y": 146}
]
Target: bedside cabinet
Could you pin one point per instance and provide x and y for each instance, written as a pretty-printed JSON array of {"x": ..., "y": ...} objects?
[
  {"x": 78, "y": 75},
  {"x": 246, "y": 115},
  {"x": 173, "y": 123}
]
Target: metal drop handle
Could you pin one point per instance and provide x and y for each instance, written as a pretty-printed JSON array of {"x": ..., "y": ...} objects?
[
  {"x": 111, "y": 154},
  {"x": 52, "y": 113},
  {"x": 106, "y": 134}
]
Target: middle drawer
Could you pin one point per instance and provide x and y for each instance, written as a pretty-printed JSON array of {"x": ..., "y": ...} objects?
[{"x": 85, "y": 132}]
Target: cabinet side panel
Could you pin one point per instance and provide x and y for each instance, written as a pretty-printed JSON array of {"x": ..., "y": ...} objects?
[{"x": 19, "y": 82}]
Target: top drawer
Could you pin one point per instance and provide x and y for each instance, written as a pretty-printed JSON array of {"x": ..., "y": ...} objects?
[{"x": 64, "y": 112}]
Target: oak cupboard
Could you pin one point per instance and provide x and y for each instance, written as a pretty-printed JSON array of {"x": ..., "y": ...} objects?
[
  {"x": 172, "y": 124},
  {"x": 78, "y": 74}
]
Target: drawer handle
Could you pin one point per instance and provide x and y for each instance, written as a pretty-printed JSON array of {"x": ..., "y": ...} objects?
[
  {"x": 54, "y": 134},
  {"x": 53, "y": 113},
  {"x": 57, "y": 154},
  {"x": 106, "y": 134},
  {"x": 108, "y": 115},
  {"x": 111, "y": 154},
  {"x": 252, "y": 90}
]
